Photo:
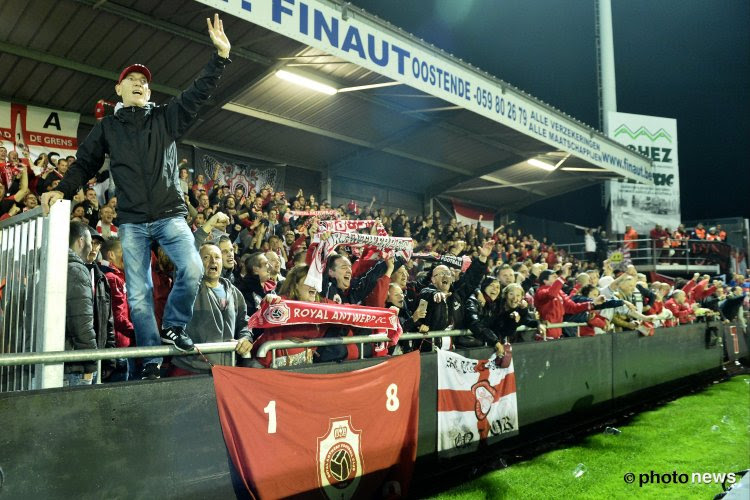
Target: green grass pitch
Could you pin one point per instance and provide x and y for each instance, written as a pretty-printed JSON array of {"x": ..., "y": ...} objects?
[{"x": 706, "y": 432}]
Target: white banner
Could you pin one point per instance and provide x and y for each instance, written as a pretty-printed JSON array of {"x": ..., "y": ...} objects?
[
  {"x": 638, "y": 205},
  {"x": 371, "y": 45},
  {"x": 42, "y": 130},
  {"x": 476, "y": 402}
]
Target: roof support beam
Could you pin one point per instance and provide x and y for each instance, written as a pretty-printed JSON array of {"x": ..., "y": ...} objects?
[
  {"x": 43, "y": 57},
  {"x": 174, "y": 29},
  {"x": 280, "y": 120}
]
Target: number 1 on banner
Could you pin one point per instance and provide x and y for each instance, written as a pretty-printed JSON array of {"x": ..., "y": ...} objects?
[{"x": 271, "y": 410}]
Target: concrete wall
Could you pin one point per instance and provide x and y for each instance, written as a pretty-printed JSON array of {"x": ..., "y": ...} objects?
[{"x": 163, "y": 439}]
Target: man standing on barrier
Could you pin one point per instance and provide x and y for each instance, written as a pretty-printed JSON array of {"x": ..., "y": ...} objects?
[{"x": 140, "y": 140}]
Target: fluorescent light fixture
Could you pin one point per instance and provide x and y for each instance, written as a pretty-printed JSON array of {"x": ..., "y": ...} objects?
[
  {"x": 306, "y": 82},
  {"x": 583, "y": 169},
  {"x": 541, "y": 164},
  {"x": 370, "y": 86}
]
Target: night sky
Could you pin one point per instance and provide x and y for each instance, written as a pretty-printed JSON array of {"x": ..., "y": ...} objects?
[{"x": 683, "y": 59}]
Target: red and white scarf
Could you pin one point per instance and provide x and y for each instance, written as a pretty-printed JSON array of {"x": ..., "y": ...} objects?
[
  {"x": 327, "y": 247},
  {"x": 294, "y": 312},
  {"x": 309, "y": 213},
  {"x": 461, "y": 263},
  {"x": 350, "y": 226}
]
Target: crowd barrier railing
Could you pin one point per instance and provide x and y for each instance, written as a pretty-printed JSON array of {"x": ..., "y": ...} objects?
[
  {"x": 57, "y": 358},
  {"x": 33, "y": 279},
  {"x": 649, "y": 252}
]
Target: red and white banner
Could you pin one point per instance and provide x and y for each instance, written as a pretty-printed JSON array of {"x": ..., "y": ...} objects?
[
  {"x": 476, "y": 402},
  {"x": 466, "y": 214},
  {"x": 42, "y": 130},
  {"x": 343, "y": 435},
  {"x": 293, "y": 312}
]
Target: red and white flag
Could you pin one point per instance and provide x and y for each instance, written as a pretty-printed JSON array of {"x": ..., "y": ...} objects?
[
  {"x": 334, "y": 436},
  {"x": 469, "y": 215},
  {"x": 39, "y": 129},
  {"x": 476, "y": 402}
]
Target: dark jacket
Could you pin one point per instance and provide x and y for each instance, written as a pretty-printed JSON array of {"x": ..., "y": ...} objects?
[
  {"x": 441, "y": 315},
  {"x": 505, "y": 326},
  {"x": 480, "y": 318},
  {"x": 79, "y": 313},
  {"x": 253, "y": 292},
  {"x": 360, "y": 287},
  {"x": 104, "y": 323},
  {"x": 143, "y": 154}
]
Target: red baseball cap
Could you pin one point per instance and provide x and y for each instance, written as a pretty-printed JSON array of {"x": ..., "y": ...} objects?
[{"x": 140, "y": 68}]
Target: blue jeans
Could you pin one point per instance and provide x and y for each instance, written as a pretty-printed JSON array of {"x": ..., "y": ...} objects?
[{"x": 175, "y": 237}]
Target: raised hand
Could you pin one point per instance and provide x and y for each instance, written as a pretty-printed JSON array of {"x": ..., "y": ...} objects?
[{"x": 218, "y": 37}]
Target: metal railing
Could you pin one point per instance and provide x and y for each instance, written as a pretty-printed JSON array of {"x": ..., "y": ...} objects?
[
  {"x": 274, "y": 345},
  {"x": 33, "y": 276},
  {"x": 56, "y": 358},
  {"x": 650, "y": 252}
]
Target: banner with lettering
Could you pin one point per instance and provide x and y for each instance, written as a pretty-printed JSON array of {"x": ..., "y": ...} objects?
[
  {"x": 335, "y": 436},
  {"x": 43, "y": 130},
  {"x": 639, "y": 205},
  {"x": 236, "y": 172},
  {"x": 476, "y": 403}
]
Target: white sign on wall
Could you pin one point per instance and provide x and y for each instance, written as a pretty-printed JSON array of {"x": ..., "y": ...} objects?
[
  {"x": 361, "y": 41},
  {"x": 638, "y": 205}
]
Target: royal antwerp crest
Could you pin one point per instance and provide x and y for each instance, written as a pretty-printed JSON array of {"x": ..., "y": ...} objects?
[
  {"x": 278, "y": 314},
  {"x": 340, "y": 463}
]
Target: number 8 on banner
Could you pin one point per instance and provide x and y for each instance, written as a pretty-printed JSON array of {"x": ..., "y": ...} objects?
[{"x": 391, "y": 394}]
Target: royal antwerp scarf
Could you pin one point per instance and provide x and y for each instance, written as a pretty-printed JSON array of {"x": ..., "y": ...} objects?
[
  {"x": 326, "y": 248},
  {"x": 462, "y": 263},
  {"x": 309, "y": 213},
  {"x": 294, "y": 312}
]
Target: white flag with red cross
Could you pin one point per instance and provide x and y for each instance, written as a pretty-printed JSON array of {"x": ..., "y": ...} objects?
[{"x": 476, "y": 403}]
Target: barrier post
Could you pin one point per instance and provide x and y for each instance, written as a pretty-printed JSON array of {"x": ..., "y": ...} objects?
[{"x": 53, "y": 279}]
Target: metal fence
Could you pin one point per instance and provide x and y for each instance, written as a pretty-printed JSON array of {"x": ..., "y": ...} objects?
[
  {"x": 58, "y": 357},
  {"x": 33, "y": 275},
  {"x": 649, "y": 255}
]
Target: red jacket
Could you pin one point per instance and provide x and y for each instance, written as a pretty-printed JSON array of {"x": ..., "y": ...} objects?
[
  {"x": 286, "y": 333},
  {"x": 552, "y": 304},
  {"x": 681, "y": 312},
  {"x": 595, "y": 321},
  {"x": 124, "y": 331}
]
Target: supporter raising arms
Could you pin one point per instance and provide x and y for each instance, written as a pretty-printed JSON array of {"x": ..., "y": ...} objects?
[{"x": 140, "y": 140}]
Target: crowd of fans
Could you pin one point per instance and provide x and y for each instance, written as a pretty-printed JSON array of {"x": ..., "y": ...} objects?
[{"x": 259, "y": 246}]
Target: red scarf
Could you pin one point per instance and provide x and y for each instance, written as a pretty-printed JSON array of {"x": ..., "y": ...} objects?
[{"x": 294, "y": 312}]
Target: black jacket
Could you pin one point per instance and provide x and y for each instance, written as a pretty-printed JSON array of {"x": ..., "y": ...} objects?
[
  {"x": 143, "y": 156},
  {"x": 360, "y": 287},
  {"x": 104, "y": 322},
  {"x": 440, "y": 315},
  {"x": 79, "y": 313},
  {"x": 481, "y": 318}
]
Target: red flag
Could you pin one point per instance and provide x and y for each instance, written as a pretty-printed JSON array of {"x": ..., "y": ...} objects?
[{"x": 322, "y": 435}]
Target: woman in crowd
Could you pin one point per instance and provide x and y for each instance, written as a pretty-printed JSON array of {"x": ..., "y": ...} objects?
[
  {"x": 482, "y": 309},
  {"x": 293, "y": 288},
  {"x": 514, "y": 312}
]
